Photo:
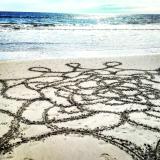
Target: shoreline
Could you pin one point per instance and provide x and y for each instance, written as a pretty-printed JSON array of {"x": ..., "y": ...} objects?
[{"x": 81, "y": 57}]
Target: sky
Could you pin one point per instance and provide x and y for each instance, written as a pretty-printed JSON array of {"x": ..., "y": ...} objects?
[{"x": 83, "y": 6}]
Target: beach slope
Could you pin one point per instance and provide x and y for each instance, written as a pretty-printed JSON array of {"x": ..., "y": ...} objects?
[{"x": 80, "y": 109}]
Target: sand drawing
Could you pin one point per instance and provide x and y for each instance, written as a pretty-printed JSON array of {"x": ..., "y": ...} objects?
[{"x": 111, "y": 103}]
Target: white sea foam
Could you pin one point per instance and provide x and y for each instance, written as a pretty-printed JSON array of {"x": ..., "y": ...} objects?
[{"x": 79, "y": 41}]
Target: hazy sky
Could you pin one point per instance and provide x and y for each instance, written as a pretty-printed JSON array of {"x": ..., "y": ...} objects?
[{"x": 82, "y": 6}]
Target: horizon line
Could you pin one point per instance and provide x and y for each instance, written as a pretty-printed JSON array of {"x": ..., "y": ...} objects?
[{"x": 80, "y": 13}]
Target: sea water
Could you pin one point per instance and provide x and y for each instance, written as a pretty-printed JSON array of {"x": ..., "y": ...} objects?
[{"x": 27, "y": 35}]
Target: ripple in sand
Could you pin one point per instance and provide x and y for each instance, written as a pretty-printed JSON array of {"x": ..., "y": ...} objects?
[
  {"x": 5, "y": 122},
  {"x": 135, "y": 134},
  {"x": 57, "y": 148},
  {"x": 92, "y": 122},
  {"x": 34, "y": 112},
  {"x": 145, "y": 120},
  {"x": 115, "y": 108},
  {"x": 10, "y": 105},
  {"x": 20, "y": 92}
]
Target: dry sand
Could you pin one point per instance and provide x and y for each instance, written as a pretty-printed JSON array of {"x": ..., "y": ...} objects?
[{"x": 80, "y": 109}]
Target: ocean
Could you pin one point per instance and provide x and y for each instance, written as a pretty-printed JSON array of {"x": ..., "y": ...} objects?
[{"x": 27, "y": 35}]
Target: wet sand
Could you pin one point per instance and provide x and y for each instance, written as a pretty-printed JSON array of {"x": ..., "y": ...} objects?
[{"x": 81, "y": 109}]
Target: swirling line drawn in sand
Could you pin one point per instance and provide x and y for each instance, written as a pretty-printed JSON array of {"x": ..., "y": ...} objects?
[{"x": 67, "y": 102}]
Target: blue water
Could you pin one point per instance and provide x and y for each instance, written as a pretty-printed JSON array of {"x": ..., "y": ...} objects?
[
  {"x": 54, "y": 19},
  {"x": 26, "y": 35}
]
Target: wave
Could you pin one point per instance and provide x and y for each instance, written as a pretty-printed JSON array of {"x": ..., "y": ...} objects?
[
  {"x": 15, "y": 26},
  {"x": 34, "y": 26}
]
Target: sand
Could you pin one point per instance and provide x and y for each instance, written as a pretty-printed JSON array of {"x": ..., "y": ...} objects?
[{"x": 81, "y": 109}]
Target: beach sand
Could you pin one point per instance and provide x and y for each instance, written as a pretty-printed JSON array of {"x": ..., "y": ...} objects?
[{"x": 80, "y": 109}]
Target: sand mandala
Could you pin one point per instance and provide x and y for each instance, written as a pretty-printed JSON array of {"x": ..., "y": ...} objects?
[{"x": 118, "y": 106}]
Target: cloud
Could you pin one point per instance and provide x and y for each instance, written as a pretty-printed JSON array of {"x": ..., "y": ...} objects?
[{"x": 83, "y": 6}]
